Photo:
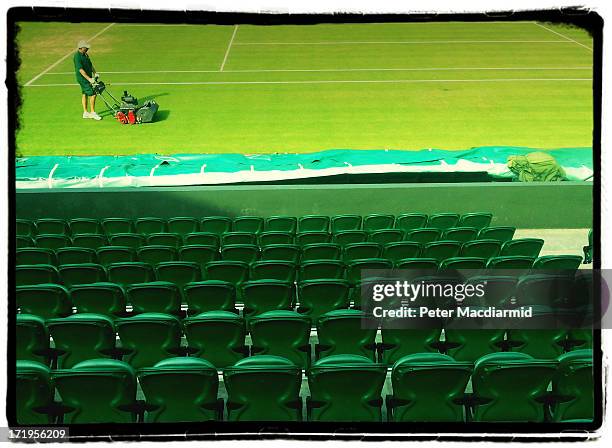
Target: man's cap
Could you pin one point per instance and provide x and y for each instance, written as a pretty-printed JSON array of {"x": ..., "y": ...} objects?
[{"x": 83, "y": 44}]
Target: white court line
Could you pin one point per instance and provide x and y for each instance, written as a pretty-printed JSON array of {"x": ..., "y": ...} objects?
[
  {"x": 410, "y": 42},
  {"x": 50, "y": 177},
  {"x": 352, "y": 81},
  {"x": 229, "y": 46},
  {"x": 52, "y": 66},
  {"x": 563, "y": 36},
  {"x": 336, "y": 70}
]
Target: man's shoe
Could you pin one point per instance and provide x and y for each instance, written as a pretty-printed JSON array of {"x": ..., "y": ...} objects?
[
  {"x": 95, "y": 116},
  {"x": 86, "y": 115}
]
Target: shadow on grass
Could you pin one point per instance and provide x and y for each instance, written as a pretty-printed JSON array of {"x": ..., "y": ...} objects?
[{"x": 161, "y": 115}]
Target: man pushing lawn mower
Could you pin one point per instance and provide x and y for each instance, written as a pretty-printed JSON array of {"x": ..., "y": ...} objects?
[{"x": 85, "y": 75}]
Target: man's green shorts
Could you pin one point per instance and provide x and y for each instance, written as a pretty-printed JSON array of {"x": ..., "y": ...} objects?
[{"x": 86, "y": 88}]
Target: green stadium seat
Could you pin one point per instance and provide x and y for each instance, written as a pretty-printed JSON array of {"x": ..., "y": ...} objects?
[
  {"x": 355, "y": 269},
  {"x": 322, "y": 269},
  {"x": 418, "y": 264},
  {"x": 428, "y": 387},
  {"x": 507, "y": 387},
  {"x": 470, "y": 344},
  {"x": 52, "y": 241},
  {"x": 441, "y": 250},
  {"x": 423, "y": 235},
  {"x": 281, "y": 224},
  {"x": 217, "y": 336},
  {"x": 499, "y": 290},
  {"x": 82, "y": 274},
  {"x": 247, "y": 253},
  {"x": 294, "y": 343},
  {"x": 341, "y": 223},
  {"x": 98, "y": 391},
  {"x": 422, "y": 336},
  {"x": 499, "y": 233},
  {"x": 260, "y": 296},
  {"x": 318, "y": 297},
  {"x": 115, "y": 254},
  {"x": 345, "y": 237},
  {"x": 342, "y": 332},
  {"x": 411, "y": 221},
  {"x": 551, "y": 290},
  {"x": 183, "y": 225},
  {"x": 32, "y": 339},
  {"x": 345, "y": 388},
  {"x": 178, "y": 272},
  {"x": 273, "y": 237},
  {"x": 461, "y": 234},
  {"x": 281, "y": 252},
  {"x": 44, "y": 300},
  {"x": 558, "y": 262},
  {"x": 201, "y": 239},
  {"x": 156, "y": 254},
  {"x": 234, "y": 272},
  {"x": 89, "y": 240},
  {"x": 164, "y": 239},
  {"x": 82, "y": 336},
  {"x": 527, "y": 247},
  {"x": 538, "y": 337},
  {"x": 129, "y": 273},
  {"x": 133, "y": 240},
  {"x": 25, "y": 227},
  {"x": 196, "y": 399},
  {"x": 250, "y": 224},
  {"x": 200, "y": 254},
  {"x": 313, "y": 223},
  {"x": 378, "y": 221},
  {"x": 52, "y": 226},
  {"x": 263, "y": 388},
  {"x": 34, "y": 393},
  {"x": 147, "y": 226},
  {"x": 481, "y": 248},
  {"x": 321, "y": 251},
  {"x": 238, "y": 238},
  {"x": 385, "y": 236},
  {"x": 149, "y": 338},
  {"x": 155, "y": 297},
  {"x": 24, "y": 241},
  {"x": 113, "y": 226},
  {"x": 99, "y": 298},
  {"x": 478, "y": 219},
  {"x": 75, "y": 255},
  {"x": 209, "y": 295},
  {"x": 358, "y": 251},
  {"x": 515, "y": 262},
  {"x": 35, "y": 255},
  {"x": 443, "y": 221},
  {"x": 305, "y": 238},
  {"x": 216, "y": 224},
  {"x": 273, "y": 270},
  {"x": 80, "y": 226},
  {"x": 36, "y": 274},
  {"x": 573, "y": 388},
  {"x": 400, "y": 250},
  {"x": 588, "y": 249},
  {"x": 463, "y": 263}
]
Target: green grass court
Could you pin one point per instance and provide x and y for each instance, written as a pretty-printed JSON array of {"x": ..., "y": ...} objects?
[{"x": 258, "y": 89}]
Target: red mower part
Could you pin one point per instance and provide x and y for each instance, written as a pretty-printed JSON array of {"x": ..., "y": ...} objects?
[
  {"x": 121, "y": 118},
  {"x": 131, "y": 116}
]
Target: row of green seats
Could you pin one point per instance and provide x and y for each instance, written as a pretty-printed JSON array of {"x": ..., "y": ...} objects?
[
  {"x": 427, "y": 387},
  {"x": 255, "y": 224}
]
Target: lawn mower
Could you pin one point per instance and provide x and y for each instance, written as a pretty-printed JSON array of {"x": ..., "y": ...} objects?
[{"x": 127, "y": 111}]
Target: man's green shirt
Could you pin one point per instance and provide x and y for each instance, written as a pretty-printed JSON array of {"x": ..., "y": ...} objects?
[{"x": 82, "y": 61}]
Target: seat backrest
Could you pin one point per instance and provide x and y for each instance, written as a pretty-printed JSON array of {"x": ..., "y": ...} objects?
[
  {"x": 423, "y": 235},
  {"x": 281, "y": 252},
  {"x": 99, "y": 298},
  {"x": 322, "y": 251},
  {"x": 573, "y": 384},
  {"x": 305, "y": 238},
  {"x": 313, "y": 223},
  {"x": 130, "y": 272},
  {"x": 410, "y": 221},
  {"x": 481, "y": 248},
  {"x": 84, "y": 225},
  {"x": 52, "y": 226},
  {"x": 111, "y": 226},
  {"x": 197, "y": 253},
  {"x": 133, "y": 240},
  {"x": 32, "y": 338},
  {"x": 252, "y": 224},
  {"x": 178, "y": 272},
  {"x": 345, "y": 237},
  {"x": 216, "y": 224},
  {"x": 499, "y": 233},
  {"x": 385, "y": 236},
  {"x": 461, "y": 234},
  {"x": 356, "y": 270},
  {"x": 115, "y": 254},
  {"x": 441, "y": 250},
  {"x": 90, "y": 240},
  {"x": 346, "y": 388},
  {"x": 378, "y": 221},
  {"x": 322, "y": 269},
  {"x": 281, "y": 224},
  {"x": 183, "y": 225},
  {"x": 98, "y": 391},
  {"x": 217, "y": 336},
  {"x": 44, "y": 300},
  {"x": 34, "y": 392},
  {"x": 156, "y": 254},
  {"x": 201, "y": 239},
  {"x": 82, "y": 274},
  {"x": 164, "y": 239},
  {"x": 510, "y": 262},
  {"x": 209, "y": 295},
  {"x": 358, "y": 251},
  {"x": 479, "y": 220},
  {"x": 194, "y": 401},
  {"x": 234, "y": 272},
  {"x": 36, "y": 274},
  {"x": 528, "y": 247},
  {"x": 345, "y": 222},
  {"x": 155, "y": 297},
  {"x": 263, "y": 388},
  {"x": 247, "y": 253},
  {"x": 318, "y": 297},
  {"x": 272, "y": 270},
  {"x": 343, "y": 332},
  {"x": 443, "y": 220},
  {"x": 148, "y": 225},
  {"x": 75, "y": 255},
  {"x": 238, "y": 238},
  {"x": 274, "y": 237},
  {"x": 260, "y": 296},
  {"x": 397, "y": 251},
  {"x": 35, "y": 255},
  {"x": 567, "y": 263},
  {"x": 149, "y": 338}
]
